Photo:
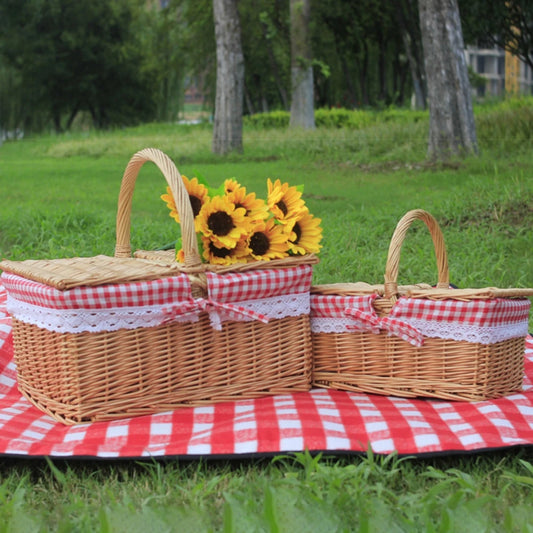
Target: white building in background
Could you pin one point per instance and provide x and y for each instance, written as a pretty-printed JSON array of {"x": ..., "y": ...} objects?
[{"x": 503, "y": 72}]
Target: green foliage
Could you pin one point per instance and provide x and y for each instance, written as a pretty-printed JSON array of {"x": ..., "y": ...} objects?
[
  {"x": 300, "y": 492},
  {"x": 165, "y": 61},
  {"x": 499, "y": 23},
  {"x": 266, "y": 46},
  {"x": 506, "y": 125},
  {"x": 338, "y": 117},
  {"x": 273, "y": 119},
  {"x": 343, "y": 118},
  {"x": 112, "y": 60}
]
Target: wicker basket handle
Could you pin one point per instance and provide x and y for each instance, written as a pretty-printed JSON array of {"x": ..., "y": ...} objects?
[
  {"x": 393, "y": 259},
  {"x": 181, "y": 197}
]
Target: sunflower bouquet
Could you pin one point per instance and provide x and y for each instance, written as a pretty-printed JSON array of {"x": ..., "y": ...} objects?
[{"x": 234, "y": 226}]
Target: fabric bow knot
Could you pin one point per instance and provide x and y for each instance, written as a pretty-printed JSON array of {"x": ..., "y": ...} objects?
[
  {"x": 366, "y": 319},
  {"x": 215, "y": 311}
]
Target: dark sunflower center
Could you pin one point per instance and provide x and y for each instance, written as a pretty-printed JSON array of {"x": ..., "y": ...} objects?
[
  {"x": 298, "y": 230},
  {"x": 240, "y": 205},
  {"x": 220, "y": 223},
  {"x": 196, "y": 204},
  {"x": 219, "y": 252},
  {"x": 259, "y": 243},
  {"x": 282, "y": 207}
]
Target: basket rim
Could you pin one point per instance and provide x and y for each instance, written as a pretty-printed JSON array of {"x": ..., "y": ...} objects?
[
  {"x": 68, "y": 273},
  {"x": 421, "y": 291}
]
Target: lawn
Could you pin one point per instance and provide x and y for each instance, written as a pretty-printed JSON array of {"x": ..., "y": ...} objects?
[{"x": 58, "y": 197}]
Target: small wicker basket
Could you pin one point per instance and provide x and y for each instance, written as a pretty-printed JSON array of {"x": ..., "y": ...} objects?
[
  {"x": 120, "y": 336},
  {"x": 410, "y": 341}
]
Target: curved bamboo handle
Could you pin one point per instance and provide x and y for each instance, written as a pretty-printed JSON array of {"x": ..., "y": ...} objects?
[
  {"x": 393, "y": 258},
  {"x": 181, "y": 197}
]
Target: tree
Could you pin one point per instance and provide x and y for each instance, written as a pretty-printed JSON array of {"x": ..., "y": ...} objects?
[
  {"x": 366, "y": 58},
  {"x": 266, "y": 48},
  {"x": 227, "y": 128},
  {"x": 166, "y": 59},
  {"x": 504, "y": 23},
  {"x": 302, "y": 94},
  {"x": 452, "y": 129},
  {"x": 78, "y": 56},
  {"x": 406, "y": 18}
]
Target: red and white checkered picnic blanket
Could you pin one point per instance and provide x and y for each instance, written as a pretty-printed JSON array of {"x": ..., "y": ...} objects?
[{"x": 319, "y": 420}]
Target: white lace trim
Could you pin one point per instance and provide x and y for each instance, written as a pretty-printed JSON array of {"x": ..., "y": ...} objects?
[
  {"x": 330, "y": 325},
  {"x": 475, "y": 334},
  {"x": 439, "y": 330},
  {"x": 278, "y": 306},
  {"x": 90, "y": 320}
]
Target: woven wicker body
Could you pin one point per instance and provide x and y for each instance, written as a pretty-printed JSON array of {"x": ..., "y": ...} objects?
[
  {"x": 442, "y": 368},
  {"x": 93, "y": 376},
  {"x": 381, "y": 363},
  {"x": 87, "y": 377}
]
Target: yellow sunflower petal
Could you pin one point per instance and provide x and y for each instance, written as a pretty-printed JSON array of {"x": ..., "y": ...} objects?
[
  {"x": 198, "y": 195},
  {"x": 285, "y": 202},
  {"x": 231, "y": 185},
  {"x": 169, "y": 200},
  {"x": 268, "y": 241},
  {"x": 256, "y": 208},
  {"x": 305, "y": 234},
  {"x": 222, "y": 222},
  {"x": 224, "y": 256}
]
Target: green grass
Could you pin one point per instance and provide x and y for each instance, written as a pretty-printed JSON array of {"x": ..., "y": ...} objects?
[{"x": 58, "y": 197}]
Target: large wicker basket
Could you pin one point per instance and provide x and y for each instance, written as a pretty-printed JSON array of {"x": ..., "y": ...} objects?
[
  {"x": 409, "y": 341},
  {"x": 111, "y": 337}
]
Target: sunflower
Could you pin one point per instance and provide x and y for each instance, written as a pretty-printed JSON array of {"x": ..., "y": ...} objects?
[
  {"x": 224, "y": 256},
  {"x": 180, "y": 256},
  {"x": 230, "y": 185},
  {"x": 283, "y": 201},
  {"x": 198, "y": 196},
  {"x": 305, "y": 234},
  {"x": 268, "y": 241},
  {"x": 222, "y": 222},
  {"x": 256, "y": 208}
]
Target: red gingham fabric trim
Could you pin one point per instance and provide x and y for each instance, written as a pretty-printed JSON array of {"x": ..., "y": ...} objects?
[
  {"x": 482, "y": 313},
  {"x": 224, "y": 288},
  {"x": 257, "y": 284},
  {"x": 319, "y": 420},
  {"x": 332, "y": 306},
  {"x": 136, "y": 294}
]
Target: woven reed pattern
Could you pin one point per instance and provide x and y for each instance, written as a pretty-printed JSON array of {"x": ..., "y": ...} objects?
[
  {"x": 68, "y": 273},
  {"x": 441, "y": 368},
  {"x": 87, "y": 377}
]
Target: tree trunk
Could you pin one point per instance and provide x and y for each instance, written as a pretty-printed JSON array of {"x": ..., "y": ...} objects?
[
  {"x": 452, "y": 130},
  {"x": 363, "y": 75},
  {"x": 274, "y": 67},
  {"x": 404, "y": 16},
  {"x": 302, "y": 98},
  {"x": 418, "y": 84},
  {"x": 227, "y": 129}
]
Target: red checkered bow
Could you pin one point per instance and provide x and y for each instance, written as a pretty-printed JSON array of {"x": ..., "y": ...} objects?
[
  {"x": 193, "y": 308},
  {"x": 365, "y": 318}
]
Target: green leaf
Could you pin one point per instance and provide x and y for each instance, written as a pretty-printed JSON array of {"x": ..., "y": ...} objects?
[
  {"x": 219, "y": 191},
  {"x": 58, "y": 475}
]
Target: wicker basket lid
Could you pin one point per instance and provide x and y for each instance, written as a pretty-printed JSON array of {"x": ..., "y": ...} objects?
[{"x": 88, "y": 271}]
